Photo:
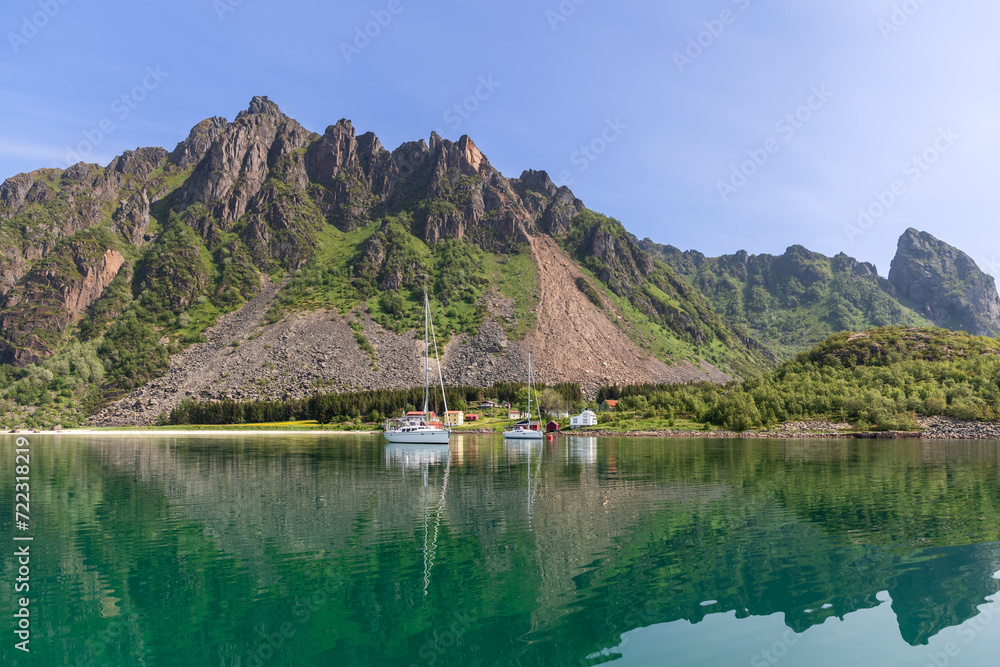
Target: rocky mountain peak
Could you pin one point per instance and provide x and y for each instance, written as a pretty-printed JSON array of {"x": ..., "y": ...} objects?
[
  {"x": 860, "y": 269},
  {"x": 13, "y": 193},
  {"x": 235, "y": 200},
  {"x": 140, "y": 163},
  {"x": 473, "y": 156},
  {"x": 434, "y": 141},
  {"x": 944, "y": 284},
  {"x": 237, "y": 160},
  {"x": 554, "y": 206},
  {"x": 261, "y": 105},
  {"x": 193, "y": 149},
  {"x": 537, "y": 181}
]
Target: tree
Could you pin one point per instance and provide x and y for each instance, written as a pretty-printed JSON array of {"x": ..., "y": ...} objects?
[
  {"x": 551, "y": 401},
  {"x": 521, "y": 399}
]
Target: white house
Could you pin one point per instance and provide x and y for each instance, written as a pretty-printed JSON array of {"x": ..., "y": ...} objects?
[{"x": 585, "y": 418}]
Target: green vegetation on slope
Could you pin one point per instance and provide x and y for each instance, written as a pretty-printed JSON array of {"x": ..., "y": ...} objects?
[
  {"x": 661, "y": 312},
  {"x": 793, "y": 301},
  {"x": 384, "y": 268},
  {"x": 880, "y": 380},
  {"x": 167, "y": 293},
  {"x": 55, "y": 391}
]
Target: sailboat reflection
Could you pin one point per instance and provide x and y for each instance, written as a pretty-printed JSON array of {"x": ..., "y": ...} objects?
[
  {"x": 415, "y": 457},
  {"x": 409, "y": 458},
  {"x": 518, "y": 449}
]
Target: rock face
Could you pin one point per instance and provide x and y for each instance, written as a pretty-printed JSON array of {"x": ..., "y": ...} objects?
[
  {"x": 238, "y": 162},
  {"x": 466, "y": 197},
  {"x": 52, "y": 296},
  {"x": 945, "y": 285},
  {"x": 354, "y": 174},
  {"x": 554, "y": 206},
  {"x": 131, "y": 220}
]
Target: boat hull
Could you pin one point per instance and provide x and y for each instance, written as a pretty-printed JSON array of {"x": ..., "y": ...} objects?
[
  {"x": 434, "y": 436},
  {"x": 522, "y": 435}
]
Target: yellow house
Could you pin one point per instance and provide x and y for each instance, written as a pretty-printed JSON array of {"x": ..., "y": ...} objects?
[{"x": 454, "y": 418}]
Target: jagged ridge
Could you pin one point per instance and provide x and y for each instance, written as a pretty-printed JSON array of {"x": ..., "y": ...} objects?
[
  {"x": 137, "y": 258},
  {"x": 794, "y": 300}
]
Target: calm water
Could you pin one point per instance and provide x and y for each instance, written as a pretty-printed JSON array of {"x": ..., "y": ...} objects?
[{"x": 301, "y": 550}]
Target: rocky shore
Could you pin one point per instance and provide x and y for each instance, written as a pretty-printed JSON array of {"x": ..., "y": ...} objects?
[
  {"x": 946, "y": 428},
  {"x": 933, "y": 428}
]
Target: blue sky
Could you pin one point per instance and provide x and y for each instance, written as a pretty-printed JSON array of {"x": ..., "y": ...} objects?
[{"x": 644, "y": 109}]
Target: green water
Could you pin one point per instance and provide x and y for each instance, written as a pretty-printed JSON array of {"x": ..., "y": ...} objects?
[{"x": 305, "y": 550}]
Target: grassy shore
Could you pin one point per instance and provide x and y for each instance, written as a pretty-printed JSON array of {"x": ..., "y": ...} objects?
[{"x": 289, "y": 427}]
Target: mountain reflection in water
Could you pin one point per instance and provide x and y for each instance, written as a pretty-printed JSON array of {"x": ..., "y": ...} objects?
[{"x": 207, "y": 549}]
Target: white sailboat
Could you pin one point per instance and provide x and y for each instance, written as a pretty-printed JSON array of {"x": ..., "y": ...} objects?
[
  {"x": 418, "y": 429},
  {"x": 522, "y": 430}
]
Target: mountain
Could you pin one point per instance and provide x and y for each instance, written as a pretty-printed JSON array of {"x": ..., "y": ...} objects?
[
  {"x": 792, "y": 301},
  {"x": 259, "y": 259},
  {"x": 944, "y": 285}
]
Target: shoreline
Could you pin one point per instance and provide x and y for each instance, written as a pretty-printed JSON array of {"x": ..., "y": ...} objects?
[{"x": 934, "y": 428}]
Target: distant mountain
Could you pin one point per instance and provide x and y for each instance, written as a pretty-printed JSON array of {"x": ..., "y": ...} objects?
[
  {"x": 944, "y": 285},
  {"x": 792, "y": 301}
]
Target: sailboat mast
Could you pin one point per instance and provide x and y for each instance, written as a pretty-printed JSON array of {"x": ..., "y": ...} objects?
[
  {"x": 427, "y": 359},
  {"x": 529, "y": 390},
  {"x": 444, "y": 397}
]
